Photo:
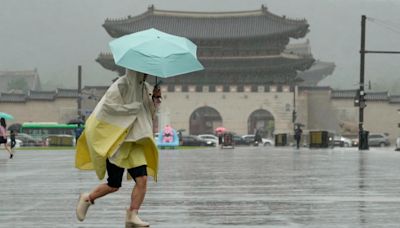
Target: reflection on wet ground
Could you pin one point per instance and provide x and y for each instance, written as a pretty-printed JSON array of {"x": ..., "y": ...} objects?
[{"x": 241, "y": 187}]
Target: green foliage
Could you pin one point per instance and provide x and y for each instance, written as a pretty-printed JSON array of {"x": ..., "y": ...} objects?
[{"x": 18, "y": 84}]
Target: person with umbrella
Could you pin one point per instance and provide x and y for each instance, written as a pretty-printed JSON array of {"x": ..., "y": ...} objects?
[
  {"x": 297, "y": 135},
  {"x": 13, "y": 142},
  {"x": 118, "y": 135},
  {"x": 219, "y": 131},
  {"x": 3, "y": 136}
]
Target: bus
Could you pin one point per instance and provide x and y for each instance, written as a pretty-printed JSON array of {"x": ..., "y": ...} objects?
[{"x": 50, "y": 133}]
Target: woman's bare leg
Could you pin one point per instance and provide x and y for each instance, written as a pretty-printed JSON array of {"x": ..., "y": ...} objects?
[
  {"x": 138, "y": 193},
  {"x": 100, "y": 191},
  {"x": 7, "y": 148}
]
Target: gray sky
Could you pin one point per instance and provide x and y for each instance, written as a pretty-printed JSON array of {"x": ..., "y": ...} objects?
[{"x": 55, "y": 36}]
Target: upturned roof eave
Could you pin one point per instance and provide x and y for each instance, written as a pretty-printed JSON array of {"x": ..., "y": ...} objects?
[
  {"x": 107, "y": 57},
  {"x": 263, "y": 11},
  {"x": 299, "y": 30},
  {"x": 293, "y": 33},
  {"x": 106, "y": 61}
]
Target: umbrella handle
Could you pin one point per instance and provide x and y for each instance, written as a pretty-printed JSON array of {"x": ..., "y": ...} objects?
[{"x": 157, "y": 85}]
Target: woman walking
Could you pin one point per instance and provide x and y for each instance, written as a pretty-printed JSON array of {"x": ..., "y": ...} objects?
[
  {"x": 13, "y": 141},
  {"x": 118, "y": 136},
  {"x": 3, "y": 135}
]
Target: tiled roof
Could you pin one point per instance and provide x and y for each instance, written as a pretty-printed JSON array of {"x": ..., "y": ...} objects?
[
  {"x": 301, "y": 49},
  {"x": 248, "y": 64},
  {"x": 346, "y": 94},
  {"x": 41, "y": 95},
  {"x": 377, "y": 96},
  {"x": 256, "y": 62},
  {"x": 394, "y": 99},
  {"x": 67, "y": 93},
  {"x": 107, "y": 61},
  {"x": 318, "y": 71},
  {"x": 370, "y": 96},
  {"x": 210, "y": 25},
  {"x": 12, "y": 97},
  {"x": 314, "y": 88},
  {"x": 95, "y": 88}
]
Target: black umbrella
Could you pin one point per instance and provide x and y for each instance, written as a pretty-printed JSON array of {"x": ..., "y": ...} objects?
[
  {"x": 76, "y": 121},
  {"x": 15, "y": 127}
]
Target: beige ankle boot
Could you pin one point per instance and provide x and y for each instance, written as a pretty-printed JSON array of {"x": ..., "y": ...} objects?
[
  {"x": 82, "y": 207},
  {"x": 133, "y": 220}
]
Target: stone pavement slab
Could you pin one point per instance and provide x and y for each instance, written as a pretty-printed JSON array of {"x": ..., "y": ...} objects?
[{"x": 241, "y": 187}]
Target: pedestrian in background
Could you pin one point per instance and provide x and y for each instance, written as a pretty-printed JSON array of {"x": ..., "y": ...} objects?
[
  {"x": 3, "y": 136},
  {"x": 297, "y": 136},
  {"x": 78, "y": 131},
  {"x": 13, "y": 142},
  {"x": 257, "y": 138}
]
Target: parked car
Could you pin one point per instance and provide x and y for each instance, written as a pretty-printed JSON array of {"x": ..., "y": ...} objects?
[
  {"x": 342, "y": 141},
  {"x": 209, "y": 137},
  {"x": 28, "y": 140},
  {"x": 398, "y": 144},
  {"x": 378, "y": 140},
  {"x": 18, "y": 143},
  {"x": 250, "y": 140},
  {"x": 192, "y": 140},
  {"x": 240, "y": 141},
  {"x": 60, "y": 140},
  {"x": 354, "y": 142}
]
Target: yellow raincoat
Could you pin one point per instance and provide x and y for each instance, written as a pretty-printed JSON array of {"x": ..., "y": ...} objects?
[{"x": 120, "y": 129}]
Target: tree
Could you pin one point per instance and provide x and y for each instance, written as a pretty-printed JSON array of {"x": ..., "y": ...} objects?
[{"x": 18, "y": 84}]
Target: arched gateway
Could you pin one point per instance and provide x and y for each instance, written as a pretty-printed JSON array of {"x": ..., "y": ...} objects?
[
  {"x": 250, "y": 67},
  {"x": 204, "y": 120},
  {"x": 261, "y": 120}
]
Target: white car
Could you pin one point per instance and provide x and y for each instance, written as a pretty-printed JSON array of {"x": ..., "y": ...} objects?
[
  {"x": 265, "y": 141},
  {"x": 342, "y": 141},
  {"x": 18, "y": 143},
  {"x": 209, "y": 137},
  {"x": 268, "y": 142}
]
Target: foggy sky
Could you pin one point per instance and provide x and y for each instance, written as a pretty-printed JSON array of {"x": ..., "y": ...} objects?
[{"x": 55, "y": 36}]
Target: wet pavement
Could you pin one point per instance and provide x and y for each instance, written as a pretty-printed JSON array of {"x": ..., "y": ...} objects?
[{"x": 241, "y": 187}]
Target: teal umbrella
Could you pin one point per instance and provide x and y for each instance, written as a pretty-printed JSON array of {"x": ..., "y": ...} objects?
[
  {"x": 155, "y": 53},
  {"x": 6, "y": 116}
]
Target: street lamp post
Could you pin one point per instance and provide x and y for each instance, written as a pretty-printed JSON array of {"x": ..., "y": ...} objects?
[
  {"x": 294, "y": 114},
  {"x": 79, "y": 101},
  {"x": 362, "y": 134},
  {"x": 362, "y": 138},
  {"x": 398, "y": 124}
]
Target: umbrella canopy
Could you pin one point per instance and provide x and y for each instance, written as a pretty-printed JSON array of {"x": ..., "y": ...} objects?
[
  {"x": 6, "y": 116},
  {"x": 76, "y": 121},
  {"x": 220, "y": 129},
  {"x": 15, "y": 127},
  {"x": 299, "y": 125},
  {"x": 156, "y": 53}
]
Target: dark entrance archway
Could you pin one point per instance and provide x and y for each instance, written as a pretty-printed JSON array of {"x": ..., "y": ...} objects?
[
  {"x": 204, "y": 120},
  {"x": 263, "y": 121}
]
